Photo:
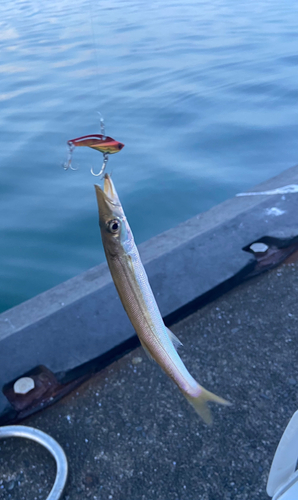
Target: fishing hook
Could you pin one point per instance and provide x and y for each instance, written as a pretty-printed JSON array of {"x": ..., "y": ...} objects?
[
  {"x": 67, "y": 164},
  {"x": 101, "y": 172}
]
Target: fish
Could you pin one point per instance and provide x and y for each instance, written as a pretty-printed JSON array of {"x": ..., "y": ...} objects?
[
  {"x": 99, "y": 142},
  {"x": 137, "y": 298}
]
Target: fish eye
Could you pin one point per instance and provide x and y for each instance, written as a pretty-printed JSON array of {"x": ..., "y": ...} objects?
[{"x": 114, "y": 226}]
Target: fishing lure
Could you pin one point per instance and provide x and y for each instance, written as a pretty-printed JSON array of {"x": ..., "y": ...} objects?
[{"x": 100, "y": 142}]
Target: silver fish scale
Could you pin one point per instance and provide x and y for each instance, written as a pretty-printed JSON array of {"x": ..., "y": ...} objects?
[{"x": 140, "y": 305}]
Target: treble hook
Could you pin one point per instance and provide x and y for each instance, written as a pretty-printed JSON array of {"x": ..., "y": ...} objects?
[
  {"x": 101, "y": 172},
  {"x": 67, "y": 165}
]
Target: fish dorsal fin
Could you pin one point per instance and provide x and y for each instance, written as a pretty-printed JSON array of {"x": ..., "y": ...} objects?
[
  {"x": 175, "y": 341},
  {"x": 146, "y": 350}
]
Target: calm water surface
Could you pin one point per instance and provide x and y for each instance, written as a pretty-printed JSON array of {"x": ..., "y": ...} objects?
[{"x": 203, "y": 94}]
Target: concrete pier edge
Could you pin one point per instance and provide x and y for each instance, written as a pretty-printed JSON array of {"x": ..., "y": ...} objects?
[{"x": 82, "y": 318}]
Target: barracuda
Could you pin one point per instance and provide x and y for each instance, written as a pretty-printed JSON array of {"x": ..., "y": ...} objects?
[{"x": 134, "y": 290}]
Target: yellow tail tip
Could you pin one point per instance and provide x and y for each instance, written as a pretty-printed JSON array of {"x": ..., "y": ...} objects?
[{"x": 200, "y": 404}]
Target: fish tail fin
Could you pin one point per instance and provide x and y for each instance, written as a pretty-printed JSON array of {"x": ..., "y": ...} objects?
[{"x": 200, "y": 403}]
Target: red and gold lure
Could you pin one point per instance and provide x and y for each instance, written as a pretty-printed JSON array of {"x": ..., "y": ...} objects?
[
  {"x": 100, "y": 142},
  {"x": 106, "y": 145}
]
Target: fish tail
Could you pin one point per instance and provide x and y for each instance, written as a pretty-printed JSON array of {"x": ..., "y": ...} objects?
[{"x": 200, "y": 403}]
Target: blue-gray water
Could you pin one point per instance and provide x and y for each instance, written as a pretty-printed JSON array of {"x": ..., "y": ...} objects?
[{"x": 203, "y": 94}]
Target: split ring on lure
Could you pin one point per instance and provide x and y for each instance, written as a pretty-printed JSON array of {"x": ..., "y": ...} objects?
[{"x": 102, "y": 143}]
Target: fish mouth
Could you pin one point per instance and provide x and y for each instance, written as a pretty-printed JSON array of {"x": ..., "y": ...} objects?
[
  {"x": 107, "y": 195},
  {"x": 110, "y": 191}
]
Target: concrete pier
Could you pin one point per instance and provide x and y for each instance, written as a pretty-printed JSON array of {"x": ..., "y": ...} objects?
[
  {"x": 129, "y": 433},
  {"x": 83, "y": 318}
]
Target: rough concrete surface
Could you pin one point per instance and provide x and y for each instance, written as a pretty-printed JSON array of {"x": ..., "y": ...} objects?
[{"x": 129, "y": 434}]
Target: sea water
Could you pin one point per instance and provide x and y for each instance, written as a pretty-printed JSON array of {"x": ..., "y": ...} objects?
[{"x": 203, "y": 94}]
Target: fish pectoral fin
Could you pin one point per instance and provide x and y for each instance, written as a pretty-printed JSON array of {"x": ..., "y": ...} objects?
[
  {"x": 175, "y": 341},
  {"x": 146, "y": 351}
]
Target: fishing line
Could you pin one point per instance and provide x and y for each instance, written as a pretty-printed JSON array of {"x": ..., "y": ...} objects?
[
  {"x": 101, "y": 118},
  {"x": 100, "y": 142},
  {"x": 96, "y": 60},
  {"x": 68, "y": 163}
]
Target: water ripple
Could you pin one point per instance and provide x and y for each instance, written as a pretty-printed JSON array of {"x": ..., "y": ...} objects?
[{"x": 203, "y": 94}]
